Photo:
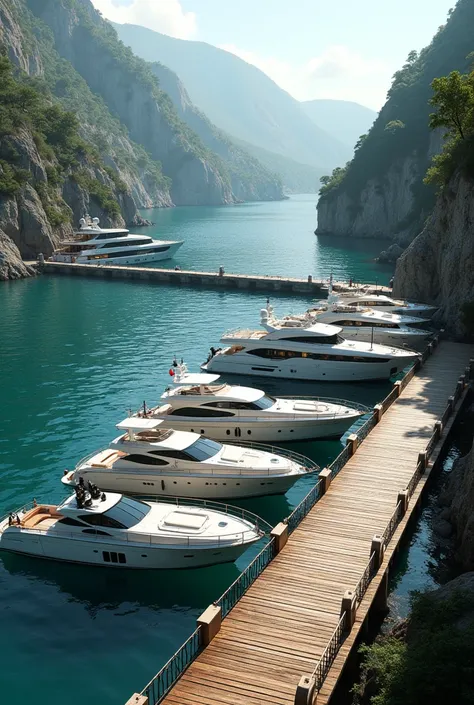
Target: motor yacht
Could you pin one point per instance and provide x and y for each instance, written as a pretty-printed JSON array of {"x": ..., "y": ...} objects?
[
  {"x": 116, "y": 531},
  {"x": 380, "y": 302},
  {"x": 317, "y": 352},
  {"x": 150, "y": 460},
  {"x": 200, "y": 403},
  {"x": 92, "y": 244},
  {"x": 357, "y": 323}
]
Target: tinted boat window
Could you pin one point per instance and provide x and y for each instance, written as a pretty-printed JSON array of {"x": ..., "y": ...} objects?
[{"x": 199, "y": 412}]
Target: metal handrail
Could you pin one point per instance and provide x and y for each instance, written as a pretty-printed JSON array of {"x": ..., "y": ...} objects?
[
  {"x": 339, "y": 462},
  {"x": 363, "y": 431},
  {"x": 420, "y": 468},
  {"x": 239, "y": 587},
  {"x": 173, "y": 669},
  {"x": 365, "y": 579},
  {"x": 329, "y": 654},
  {"x": 392, "y": 524},
  {"x": 303, "y": 508}
]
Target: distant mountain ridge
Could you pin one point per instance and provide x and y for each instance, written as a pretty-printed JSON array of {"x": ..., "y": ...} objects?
[
  {"x": 239, "y": 98},
  {"x": 343, "y": 119}
]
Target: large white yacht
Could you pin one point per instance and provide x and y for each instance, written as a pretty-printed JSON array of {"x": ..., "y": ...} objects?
[
  {"x": 357, "y": 323},
  {"x": 148, "y": 460},
  {"x": 380, "y": 302},
  {"x": 92, "y": 244},
  {"x": 119, "y": 532},
  {"x": 317, "y": 352},
  {"x": 200, "y": 403}
]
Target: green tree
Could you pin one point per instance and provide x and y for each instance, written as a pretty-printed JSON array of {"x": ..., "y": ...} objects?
[{"x": 454, "y": 102}]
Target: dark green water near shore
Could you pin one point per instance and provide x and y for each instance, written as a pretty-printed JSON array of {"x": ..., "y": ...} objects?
[{"x": 75, "y": 356}]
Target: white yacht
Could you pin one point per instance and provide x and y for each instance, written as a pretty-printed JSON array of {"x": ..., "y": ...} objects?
[
  {"x": 149, "y": 460},
  {"x": 317, "y": 352},
  {"x": 380, "y": 302},
  {"x": 119, "y": 532},
  {"x": 357, "y": 323},
  {"x": 92, "y": 244},
  {"x": 200, "y": 403}
]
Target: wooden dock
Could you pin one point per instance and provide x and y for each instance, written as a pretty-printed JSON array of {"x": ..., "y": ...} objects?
[
  {"x": 267, "y": 649},
  {"x": 179, "y": 277},
  {"x": 203, "y": 280}
]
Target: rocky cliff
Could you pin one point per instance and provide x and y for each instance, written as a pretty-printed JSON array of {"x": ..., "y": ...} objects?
[
  {"x": 438, "y": 266},
  {"x": 250, "y": 181},
  {"x": 380, "y": 193}
]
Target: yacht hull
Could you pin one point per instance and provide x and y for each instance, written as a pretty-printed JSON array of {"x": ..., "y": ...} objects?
[
  {"x": 133, "y": 259},
  {"x": 206, "y": 486},
  {"x": 300, "y": 368},
  {"x": 264, "y": 430},
  {"x": 117, "y": 554}
]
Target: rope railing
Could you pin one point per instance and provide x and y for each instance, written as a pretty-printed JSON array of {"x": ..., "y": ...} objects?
[
  {"x": 173, "y": 669},
  {"x": 329, "y": 654},
  {"x": 240, "y": 586}
]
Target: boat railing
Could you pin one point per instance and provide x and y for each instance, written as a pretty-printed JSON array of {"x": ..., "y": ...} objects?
[
  {"x": 222, "y": 507},
  {"x": 89, "y": 456},
  {"x": 298, "y": 458},
  {"x": 22, "y": 510},
  {"x": 329, "y": 400}
]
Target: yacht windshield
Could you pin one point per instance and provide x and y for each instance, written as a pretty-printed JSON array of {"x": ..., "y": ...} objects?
[
  {"x": 203, "y": 449},
  {"x": 128, "y": 512},
  {"x": 265, "y": 402}
]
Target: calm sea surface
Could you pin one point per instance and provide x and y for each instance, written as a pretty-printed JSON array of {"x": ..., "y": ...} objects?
[{"x": 75, "y": 355}]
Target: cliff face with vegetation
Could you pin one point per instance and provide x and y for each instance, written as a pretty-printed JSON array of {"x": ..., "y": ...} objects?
[
  {"x": 438, "y": 266},
  {"x": 380, "y": 193},
  {"x": 85, "y": 126}
]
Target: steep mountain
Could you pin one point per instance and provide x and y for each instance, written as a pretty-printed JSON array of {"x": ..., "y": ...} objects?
[
  {"x": 343, "y": 119},
  {"x": 381, "y": 193},
  {"x": 250, "y": 180},
  {"x": 239, "y": 98}
]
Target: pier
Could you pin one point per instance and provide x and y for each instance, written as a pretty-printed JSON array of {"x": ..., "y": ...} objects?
[
  {"x": 283, "y": 631},
  {"x": 203, "y": 280}
]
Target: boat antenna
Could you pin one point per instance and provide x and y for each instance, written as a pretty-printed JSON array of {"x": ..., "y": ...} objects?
[
  {"x": 144, "y": 409},
  {"x": 372, "y": 338}
]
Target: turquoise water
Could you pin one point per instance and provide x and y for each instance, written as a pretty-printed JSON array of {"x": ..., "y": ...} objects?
[
  {"x": 75, "y": 355},
  {"x": 265, "y": 238}
]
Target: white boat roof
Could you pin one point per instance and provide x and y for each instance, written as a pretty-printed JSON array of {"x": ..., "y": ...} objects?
[
  {"x": 173, "y": 440},
  {"x": 98, "y": 231},
  {"x": 197, "y": 378},
  {"x": 69, "y": 506},
  {"x": 136, "y": 423}
]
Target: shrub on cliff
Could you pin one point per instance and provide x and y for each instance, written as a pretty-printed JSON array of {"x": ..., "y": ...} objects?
[{"x": 433, "y": 664}]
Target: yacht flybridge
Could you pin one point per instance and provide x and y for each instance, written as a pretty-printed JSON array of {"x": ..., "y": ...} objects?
[
  {"x": 155, "y": 461},
  {"x": 92, "y": 244},
  {"x": 317, "y": 352},
  {"x": 200, "y": 403},
  {"x": 119, "y": 532},
  {"x": 380, "y": 302},
  {"x": 357, "y": 323}
]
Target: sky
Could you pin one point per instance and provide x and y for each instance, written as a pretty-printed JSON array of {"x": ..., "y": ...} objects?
[{"x": 339, "y": 49}]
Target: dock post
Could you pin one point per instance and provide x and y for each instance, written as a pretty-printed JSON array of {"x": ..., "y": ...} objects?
[
  {"x": 462, "y": 379},
  {"x": 210, "y": 622},
  {"x": 471, "y": 368},
  {"x": 438, "y": 428},
  {"x": 349, "y": 607},
  {"x": 352, "y": 441},
  {"x": 378, "y": 547},
  {"x": 451, "y": 404},
  {"x": 280, "y": 534},
  {"x": 423, "y": 459},
  {"x": 378, "y": 411},
  {"x": 325, "y": 477},
  {"x": 137, "y": 699},
  {"x": 403, "y": 499},
  {"x": 380, "y": 603},
  {"x": 398, "y": 387},
  {"x": 305, "y": 690}
]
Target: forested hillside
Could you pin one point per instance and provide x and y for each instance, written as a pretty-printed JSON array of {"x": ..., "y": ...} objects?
[{"x": 381, "y": 193}]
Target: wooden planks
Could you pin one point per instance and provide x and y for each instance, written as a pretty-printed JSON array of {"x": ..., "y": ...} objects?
[{"x": 279, "y": 629}]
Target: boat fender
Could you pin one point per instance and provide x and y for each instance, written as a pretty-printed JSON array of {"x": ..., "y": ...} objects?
[{"x": 163, "y": 485}]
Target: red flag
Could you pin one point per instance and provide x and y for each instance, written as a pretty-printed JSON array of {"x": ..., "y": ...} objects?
[{"x": 172, "y": 372}]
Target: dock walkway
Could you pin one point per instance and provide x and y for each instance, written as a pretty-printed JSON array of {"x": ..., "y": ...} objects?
[{"x": 279, "y": 629}]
